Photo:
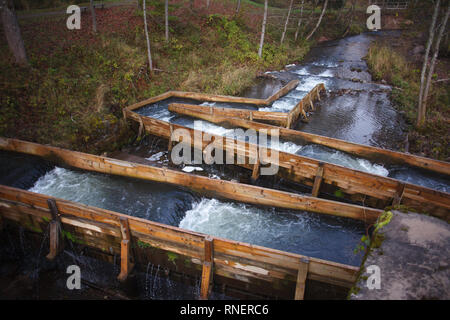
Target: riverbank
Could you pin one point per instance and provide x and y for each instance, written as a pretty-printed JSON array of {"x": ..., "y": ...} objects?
[{"x": 397, "y": 61}]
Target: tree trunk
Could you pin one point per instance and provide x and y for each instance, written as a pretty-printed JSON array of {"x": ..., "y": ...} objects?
[
  {"x": 238, "y": 6},
  {"x": 433, "y": 64},
  {"x": 299, "y": 21},
  {"x": 94, "y": 19},
  {"x": 351, "y": 14},
  {"x": 148, "y": 40},
  {"x": 420, "y": 113},
  {"x": 287, "y": 21},
  {"x": 261, "y": 43},
  {"x": 207, "y": 4},
  {"x": 320, "y": 20},
  {"x": 12, "y": 32},
  {"x": 166, "y": 13}
]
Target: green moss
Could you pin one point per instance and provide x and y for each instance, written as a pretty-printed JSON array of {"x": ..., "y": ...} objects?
[
  {"x": 143, "y": 245},
  {"x": 67, "y": 235},
  {"x": 172, "y": 257}
]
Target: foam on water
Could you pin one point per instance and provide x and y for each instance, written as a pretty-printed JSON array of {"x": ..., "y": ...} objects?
[
  {"x": 299, "y": 233},
  {"x": 310, "y": 82},
  {"x": 148, "y": 200},
  {"x": 281, "y": 105},
  {"x": 343, "y": 159}
]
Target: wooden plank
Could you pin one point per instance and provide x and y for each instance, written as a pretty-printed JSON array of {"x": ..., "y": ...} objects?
[
  {"x": 283, "y": 91},
  {"x": 279, "y": 118},
  {"x": 317, "y": 180},
  {"x": 301, "y": 279},
  {"x": 207, "y": 268},
  {"x": 204, "y": 185}
]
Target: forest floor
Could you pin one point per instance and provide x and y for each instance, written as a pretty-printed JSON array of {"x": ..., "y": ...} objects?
[{"x": 73, "y": 92}]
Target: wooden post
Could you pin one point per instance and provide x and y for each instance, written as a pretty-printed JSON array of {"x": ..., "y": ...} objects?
[
  {"x": 55, "y": 230},
  {"x": 289, "y": 121},
  {"x": 207, "y": 268},
  {"x": 301, "y": 279},
  {"x": 141, "y": 127},
  {"x": 126, "y": 256},
  {"x": 317, "y": 180},
  {"x": 398, "y": 194},
  {"x": 255, "y": 172},
  {"x": 311, "y": 103},
  {"x": 169, "y": 148}
]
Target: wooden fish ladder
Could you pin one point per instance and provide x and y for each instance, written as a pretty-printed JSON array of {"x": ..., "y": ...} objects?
[
  {"x": 229, "y": 260},
  {"x": 375, "y": 191}
]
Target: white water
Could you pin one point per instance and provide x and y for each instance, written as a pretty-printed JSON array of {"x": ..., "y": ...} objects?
[
  {"x": 343, "y": 159},
  {"x": 275, "y": 229}
]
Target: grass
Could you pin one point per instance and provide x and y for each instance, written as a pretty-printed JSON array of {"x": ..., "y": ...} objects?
[{"x": 390, "y": 64}]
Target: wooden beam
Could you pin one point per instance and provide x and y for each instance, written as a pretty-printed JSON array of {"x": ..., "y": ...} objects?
[
  {"x": 56, "y": 244},
  {"x": 301, "y": 279},
  {"x": 207, "y": 271},
  {"x": 317, "y": 180}
]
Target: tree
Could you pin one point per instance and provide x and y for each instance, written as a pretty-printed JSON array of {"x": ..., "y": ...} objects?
[
  {"x": 421, "y": 113},
  {"x": 12, "y": 32},
  {"x": 299, "y": 21},
  {"x": 287, "y": 21},
  {"x": 261, "y": 42},
  {"x": 148, "y": 40},
  {"x": 94, "y": 20},
  {"x": 318, "y": 22},
  {"x": 238, "y": 6},
  {"x": 166, "y": 15},
  {"x": 423, "y": 109}
]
